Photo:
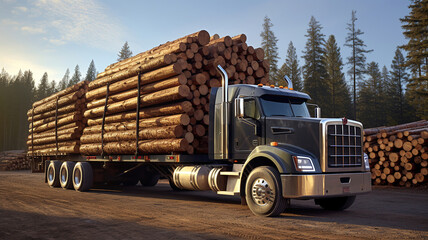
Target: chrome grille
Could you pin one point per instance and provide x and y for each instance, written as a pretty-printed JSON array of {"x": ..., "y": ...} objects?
[{"x": 344, "y": 146}]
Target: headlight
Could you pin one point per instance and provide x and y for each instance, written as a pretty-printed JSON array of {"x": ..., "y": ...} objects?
[
  {"x": 366, "y": 162},
  {"x": 303, "y": 164}
]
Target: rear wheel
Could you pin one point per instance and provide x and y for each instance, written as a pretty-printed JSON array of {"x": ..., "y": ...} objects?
[
  {"x": 336, "y": 203},
  {"x": 263, "y": 192},
  {"x": 82, "y": 176},
  {"x": 66, "y": 174},
  {"x": 53, "y": 173},
  {"x": 149, "y": 177}
]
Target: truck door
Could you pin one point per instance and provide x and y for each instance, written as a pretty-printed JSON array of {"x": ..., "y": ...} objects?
[{"x": 246, "y": 130}]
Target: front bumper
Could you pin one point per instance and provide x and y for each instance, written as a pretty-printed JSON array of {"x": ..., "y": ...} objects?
[{"x": 325, "y": 185}]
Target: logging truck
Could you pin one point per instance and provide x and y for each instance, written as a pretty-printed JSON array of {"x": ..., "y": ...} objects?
[{"x": 263, "y": 146}]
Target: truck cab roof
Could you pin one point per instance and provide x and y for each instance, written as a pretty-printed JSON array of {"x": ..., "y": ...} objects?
[{"x": 258, "y": 91}]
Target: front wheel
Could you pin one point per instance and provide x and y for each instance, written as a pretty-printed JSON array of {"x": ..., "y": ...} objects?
[
  {"x": 336, "y": 203},
  {"x": 263, "y": 192}
]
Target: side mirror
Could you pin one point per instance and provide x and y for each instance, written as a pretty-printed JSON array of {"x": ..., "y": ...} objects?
[
  {"x": 239, "y": 107},
  {"x": 318, "y": 112}
]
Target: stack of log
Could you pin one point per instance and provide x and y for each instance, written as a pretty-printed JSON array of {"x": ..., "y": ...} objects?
[
  {"x": 172, "y": 111},
  {"x": 14, "y": 160},
  {"x": 399, "y": 154},
  {"x": 57, "y": 122}
]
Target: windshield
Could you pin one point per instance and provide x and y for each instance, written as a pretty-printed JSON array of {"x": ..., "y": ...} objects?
[{"x": 274, "y": 105}]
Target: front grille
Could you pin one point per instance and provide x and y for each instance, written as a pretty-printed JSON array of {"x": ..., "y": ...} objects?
[{"x": 344, "y": 146}]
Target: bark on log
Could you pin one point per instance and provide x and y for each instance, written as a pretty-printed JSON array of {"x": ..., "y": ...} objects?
[
  {"x": 174, "y": 108},
  {"x": 62, "y": 121},
  {"x": 371, "y": 131},
  {"x": 73, "y": 130},
  {"x": 64, "y": 92},
  {"x": 178, "y": 119},
  {"x": 157, "y": 146},
  {"x": 75, "y": 107},
  {"x": 132, "y": 82},
  {"x": 51, "y": 105},
  {"x": 163, "y": 96},
  {"x": 149, "y": 88},
  {"x": 175, "y": 131},
  {"x": 148, "y": 77},
  {"x": 61, "y": 138}
]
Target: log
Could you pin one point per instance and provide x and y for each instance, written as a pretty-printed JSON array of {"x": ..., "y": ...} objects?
[
  {"x": 62, "y": 121},
  {"x": 178, "y": 119},
  {"x": 174, "y": 108},
  {"x": 162, "y": 96},
  {"x": 60, "y": 138},
  {"x": 131, "y": 80},
  {"x": 73, "y": 130},
  {"x": 149, "y": 88},
  {"x": 175, "y": 131},
  {"x": 51, "y": 105},
  {"x": 66, "y": 91},
  {"x": 157, "y": 146},
  {"x": 75, "y": 107},
  {"x": 395, "y": 128}
]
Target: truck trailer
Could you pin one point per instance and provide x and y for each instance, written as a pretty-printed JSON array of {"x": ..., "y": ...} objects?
[{"x": 263, "y": 146}]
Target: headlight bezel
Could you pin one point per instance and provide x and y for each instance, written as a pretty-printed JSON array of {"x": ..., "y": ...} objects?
[{"x": 303, "y": 164}]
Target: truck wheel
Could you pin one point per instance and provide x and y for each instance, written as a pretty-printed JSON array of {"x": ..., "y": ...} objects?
[
  {"x": 53, "y": 173},
  {"x": 336, "y": 203},
  {"x": 263, "y": 192},
  {"x": 130, "y": 182},
  {"x": 66, "y": 174},
  {"x": 149, "y": 178},
  {"x": 82, "y": 176}
]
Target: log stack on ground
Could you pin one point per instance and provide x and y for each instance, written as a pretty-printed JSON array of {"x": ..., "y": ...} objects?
[
  {"x": 14, "y": 160},
  {"x": 158, "y": 101},
  {"x": 399, "y": 154},
  {"x": 57, "y": 122}
]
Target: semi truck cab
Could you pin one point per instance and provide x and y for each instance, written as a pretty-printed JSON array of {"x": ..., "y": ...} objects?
[{"x": 281, "y": 152}]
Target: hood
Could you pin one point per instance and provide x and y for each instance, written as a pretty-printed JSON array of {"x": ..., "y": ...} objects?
[{"x": 289, "y": 132}]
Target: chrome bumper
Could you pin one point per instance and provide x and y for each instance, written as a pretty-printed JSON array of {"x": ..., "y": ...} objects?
[{"x": 325, "y": 185}]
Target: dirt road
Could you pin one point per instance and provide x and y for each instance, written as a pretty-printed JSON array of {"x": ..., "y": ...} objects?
[{"x": 29, "y": 209}]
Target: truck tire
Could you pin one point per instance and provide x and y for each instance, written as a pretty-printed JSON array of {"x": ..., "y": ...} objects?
[
  {"x": 263, "y": 192},
  {"x": 336, "y": 203},
  {"x": 149, "y": 177},
  {"x": 82, "y": 176},
  {"x": 66, "y": 174},
  {"x": 53, "y": 173},
  {"x": 130, "y": 182}
]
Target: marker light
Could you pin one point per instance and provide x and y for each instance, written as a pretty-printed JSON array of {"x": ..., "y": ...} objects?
[
  {"x": 291, "y": 88},
  {"x": 260, "y": 85},
  {"x": 303, "y": 164},
  {"x": 281, "y": 87},
  {"x": 272, "y": 86},
  {"x": 274, "y": 144}
]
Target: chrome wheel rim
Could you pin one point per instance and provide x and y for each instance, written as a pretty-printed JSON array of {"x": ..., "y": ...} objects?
[
  {"x": 63, "y": 175},
  {"x": 77, "y": 176},
  {"x": 51, "y": 174},
  {"x": 262, "y": 193}
]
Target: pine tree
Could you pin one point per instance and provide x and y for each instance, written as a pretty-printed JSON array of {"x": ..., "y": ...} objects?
[
  {"x": 395, "y": 94},
  {"x": 339, "y": 96},
  {"x": 269, "y": 42},
  {"x": 314, "y": 69},
  {"x": 90, "y": 74},
  {"x": 52, "y": 88},
  {"x": 415, "y": 30},
  {"x": 42, "y": 89},
  {"x": 368, "y": 97},
  {"x": 124, "y": 53},
  {"x": 357, "y": 60},
  {"x": 383, "y": 97},
  {"x": 291, "y": 69},
  {"x": 64, "y": 81},
  {"x": 76, "y": 76}
]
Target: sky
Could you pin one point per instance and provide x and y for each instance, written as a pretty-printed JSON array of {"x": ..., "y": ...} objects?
[{"x": 53, "y": 35}]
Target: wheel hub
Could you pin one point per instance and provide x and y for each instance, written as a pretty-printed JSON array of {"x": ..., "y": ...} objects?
[
  {"x": 77, "y": 176},
  {"x": 262, "y": 193}
]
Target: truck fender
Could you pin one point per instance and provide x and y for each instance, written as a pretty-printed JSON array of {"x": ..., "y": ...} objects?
[{"x": 266, "y": 156}]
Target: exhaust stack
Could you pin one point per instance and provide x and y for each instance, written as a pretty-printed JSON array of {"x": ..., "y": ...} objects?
[
  {"x": 225, "y": 114},
  {"x": 290, "y": 84}
]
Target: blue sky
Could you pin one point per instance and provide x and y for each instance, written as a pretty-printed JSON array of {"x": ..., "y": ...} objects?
[{"x": 52, "y": 35}]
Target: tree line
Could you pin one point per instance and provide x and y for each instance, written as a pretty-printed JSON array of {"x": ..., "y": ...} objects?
[
  {"x": 17, "y": 94},
  {"x": 374, "y": 95}
]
